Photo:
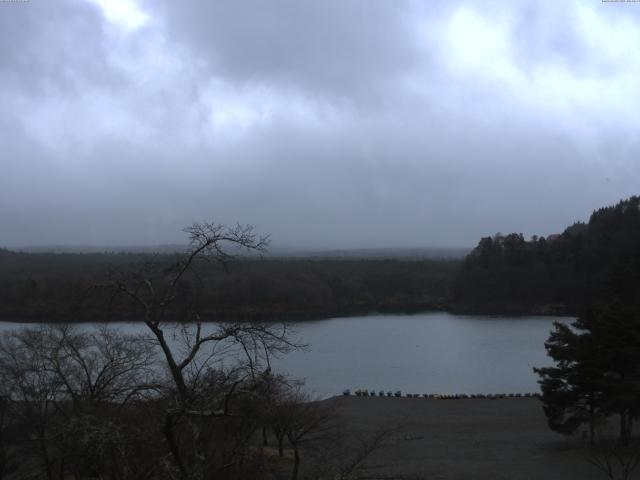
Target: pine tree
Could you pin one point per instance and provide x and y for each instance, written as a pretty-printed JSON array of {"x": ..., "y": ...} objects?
[{"x": 597, "y": 371}]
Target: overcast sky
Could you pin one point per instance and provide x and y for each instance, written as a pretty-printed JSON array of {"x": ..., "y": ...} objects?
[{"x": 329, "y": 124}]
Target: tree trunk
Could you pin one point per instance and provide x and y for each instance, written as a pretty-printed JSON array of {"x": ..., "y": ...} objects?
[
  {"x": 45, "y": 457},
  {"x": 61, "y": 470},
  {"x": 296, "y": 463},
  {"x": 200, "y": 452},
  {"x": 3, "y": 462},
  {"x": 264, "y": 437},
  {"x": 175, "y": 371},
  {"x": 592, "y": 423},
  {"x": 169, "y": 434},
  {"x": 624, "y": 426},
  {"x": 280, "y": 447}
]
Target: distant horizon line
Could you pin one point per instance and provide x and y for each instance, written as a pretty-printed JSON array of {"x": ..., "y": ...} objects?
[{"x": 273, "y": 251}]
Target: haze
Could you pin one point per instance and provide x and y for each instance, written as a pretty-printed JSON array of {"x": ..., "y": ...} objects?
[{"x": 328, "y": 124}]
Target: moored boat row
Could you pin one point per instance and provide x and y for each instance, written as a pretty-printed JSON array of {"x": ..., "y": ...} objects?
[{"x": 438, "y": 396}]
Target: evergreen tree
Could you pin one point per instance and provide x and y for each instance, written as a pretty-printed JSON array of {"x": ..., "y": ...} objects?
[
  {"x": 597, "y": 371},
  {"x": 570, "y": 390}
]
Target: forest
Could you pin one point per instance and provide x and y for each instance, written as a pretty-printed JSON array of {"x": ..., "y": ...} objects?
[
  {"x": 503, "y": 274},
  {"x": 589, "y": 263},
  {"x": 66, "y": 286}
]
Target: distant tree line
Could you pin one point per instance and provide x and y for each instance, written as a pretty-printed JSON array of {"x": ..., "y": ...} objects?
[{"x": 60, "y": 287}]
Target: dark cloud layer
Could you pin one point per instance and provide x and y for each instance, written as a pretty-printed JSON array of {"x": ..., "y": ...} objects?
[
  {"x": 327, "y": 124},
  {"x": 348, "y": 49}
]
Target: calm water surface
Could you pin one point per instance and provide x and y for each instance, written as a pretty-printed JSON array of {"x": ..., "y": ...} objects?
[{"x": 424, "y": 353}]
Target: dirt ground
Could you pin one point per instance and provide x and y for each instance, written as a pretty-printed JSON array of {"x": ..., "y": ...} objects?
[{"x": 469, "y": 439}]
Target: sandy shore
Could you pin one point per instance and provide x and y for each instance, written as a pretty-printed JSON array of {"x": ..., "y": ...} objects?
[{"x": 469, "y": 439}]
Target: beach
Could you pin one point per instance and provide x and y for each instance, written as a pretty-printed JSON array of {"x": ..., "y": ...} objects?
[{"x": 468, "y": 439}]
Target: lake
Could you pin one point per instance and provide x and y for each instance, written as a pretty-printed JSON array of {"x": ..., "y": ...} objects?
[{"x": 423, "y": 353}]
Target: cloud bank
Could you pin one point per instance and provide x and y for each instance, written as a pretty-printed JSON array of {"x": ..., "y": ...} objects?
[{"x": 328, "y": 124}]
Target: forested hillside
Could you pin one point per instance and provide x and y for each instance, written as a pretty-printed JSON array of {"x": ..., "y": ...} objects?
[{"x": 586, "y": 264}]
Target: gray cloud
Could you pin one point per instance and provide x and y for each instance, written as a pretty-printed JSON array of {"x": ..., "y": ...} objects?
[
  {"x": 348, "y": 49},
  {"x": 328, "y": 124},
  {"x": 49, "y": 47}
]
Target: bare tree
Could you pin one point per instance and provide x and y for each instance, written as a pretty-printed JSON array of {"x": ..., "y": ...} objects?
[
  {"x": 310, "y": 423},
  {"x": 357, "y": 466},
  {"x": 32, "y": 389},
  {"x": 614, "y": 459},
  {"x": 294, "y": 416},
  {"x": 65, "y": 389},
  {"x": 102, "y": 372},
  {"x": 100, "y": 366},
  {"x": 241, "y": 351}
]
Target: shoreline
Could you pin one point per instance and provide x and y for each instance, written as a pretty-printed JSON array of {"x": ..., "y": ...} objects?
[{"x": 298, "y": 316}]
